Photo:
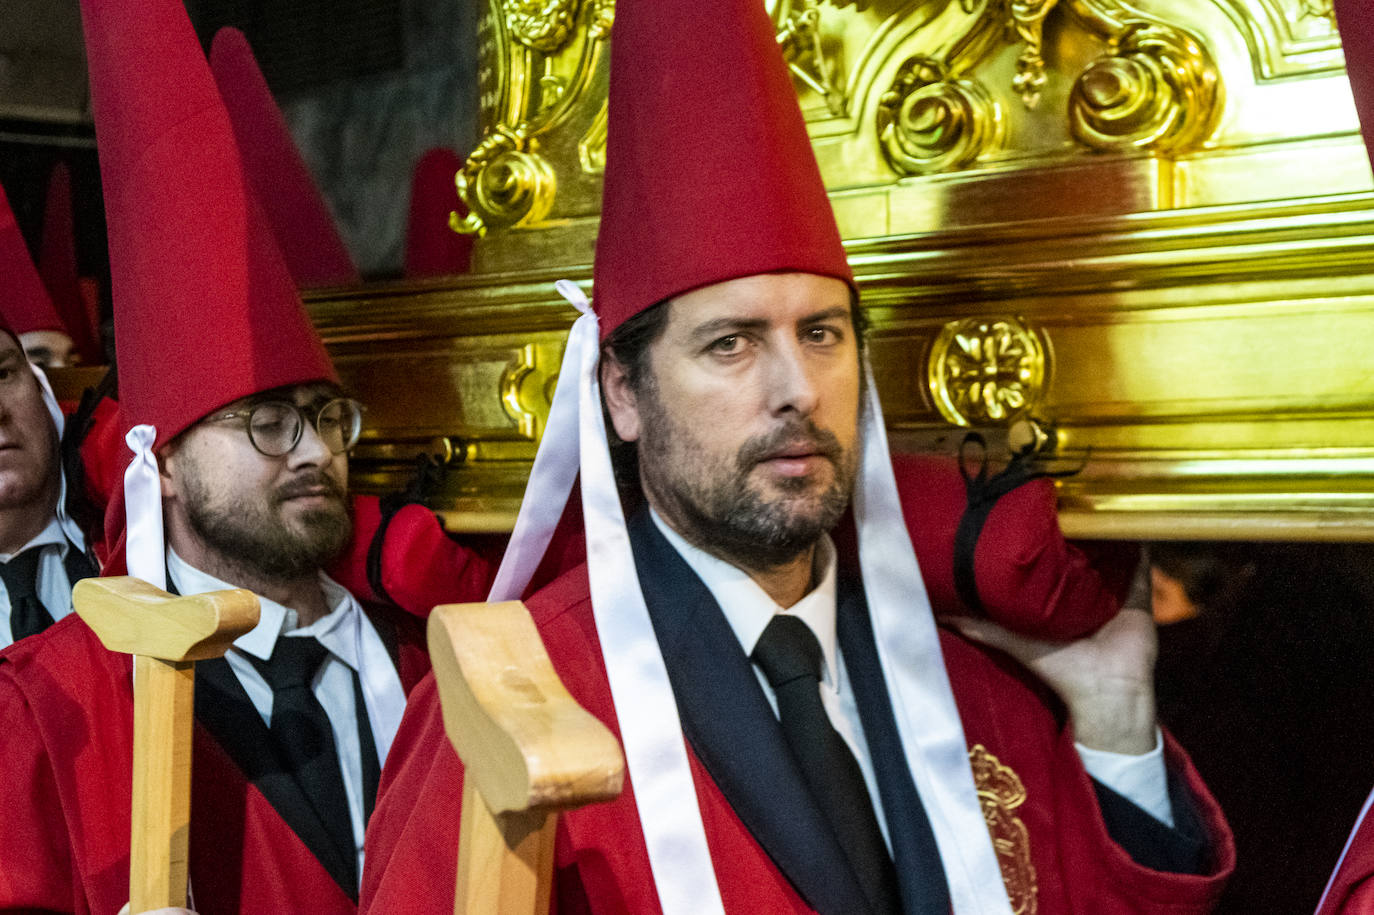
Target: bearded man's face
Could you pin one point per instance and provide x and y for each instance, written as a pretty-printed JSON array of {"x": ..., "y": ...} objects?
[
  {"x": 747, "y": 421},
  {"x": 278, "y": 517}
]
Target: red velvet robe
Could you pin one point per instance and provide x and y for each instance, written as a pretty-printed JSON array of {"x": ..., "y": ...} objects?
[
  {"x": 1057, "y": 846},
  {"x": 1352, "y": 886},
  {"x": 66, "y": 729}
]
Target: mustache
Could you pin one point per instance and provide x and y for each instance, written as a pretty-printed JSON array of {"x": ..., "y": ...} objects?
[
  {"x": 795, "y": 435},
  {"x": 308, "y": 483}
]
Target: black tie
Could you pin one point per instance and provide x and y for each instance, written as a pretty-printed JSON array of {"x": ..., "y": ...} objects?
[
  {"x": 300, "y": 729},
  {"x": 27, "y": 613},
  {"x": 790, "y": 658}
]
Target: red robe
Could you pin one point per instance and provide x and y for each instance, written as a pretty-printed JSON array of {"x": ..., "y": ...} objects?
[
  {"x": 1352, "y": 885},
  {"x": 66, "y": 716},
  {"x": 1037, "y": 797}
]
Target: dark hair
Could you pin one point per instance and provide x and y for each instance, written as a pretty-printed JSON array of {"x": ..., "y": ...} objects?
[{"x": 629, "y": 345}]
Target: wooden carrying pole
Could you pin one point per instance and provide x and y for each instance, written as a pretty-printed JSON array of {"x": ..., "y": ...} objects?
[
  {"x": 166, "y": 635},
  {"x": 528, "y": 751}
]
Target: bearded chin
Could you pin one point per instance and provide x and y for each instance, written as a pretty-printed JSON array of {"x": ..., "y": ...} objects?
[
  {"x": 755, "y": 531},
  {"x": 269, "y": 546}
]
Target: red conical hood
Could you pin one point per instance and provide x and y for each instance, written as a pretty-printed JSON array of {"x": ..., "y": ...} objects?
[
  {"x": 299, "y": 216},
  {"x": 709, "y": 171},
  {"x": 1355, "y": 18},
  {"x": 24, "y": 301},
  {"x": 432, "y": 248},
  {"x": 57, "y": 265},
  {"x": 206, "y": 311}
]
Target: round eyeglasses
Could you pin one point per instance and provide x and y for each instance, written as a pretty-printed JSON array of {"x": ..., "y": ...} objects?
[{"x": 275, "y": 426}]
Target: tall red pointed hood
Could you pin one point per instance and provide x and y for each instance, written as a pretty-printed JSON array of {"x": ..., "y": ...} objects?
[
  {"x": 709, "y": 171},
  {"x": 1355, "y": 19},
  {"x": 299, "y": 216},
  {"x": 432, "y": 248},
  {"x": 24, "y": 301},
  {"x": 206, "y": 310},
  {"x": 57, "y": 266}
]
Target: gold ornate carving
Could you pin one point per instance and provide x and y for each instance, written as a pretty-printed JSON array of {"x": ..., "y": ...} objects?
[
  {"x": 504, "y": 183},
  {"x": 1000, "y": 791},
  {"x": 543, "y": 25},
  {"x": 591, "y": 149},
  {"x": 1028, "y": 19},
  {"x": 1157, "y": 89},
  {"x": 929, "y": 122},
  {"x": 527, "y": 391},
  {"x": 986, "y": 371},
  {"x": 800, "y": 39}
]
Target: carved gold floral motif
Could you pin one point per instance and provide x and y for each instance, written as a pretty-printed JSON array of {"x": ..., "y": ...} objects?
[
  {"x": 929, "y": 122},
  {"x": 986, "y": 370},
  {"x": 543, "y": 25},
  {"x": 1000, "y": 791}
]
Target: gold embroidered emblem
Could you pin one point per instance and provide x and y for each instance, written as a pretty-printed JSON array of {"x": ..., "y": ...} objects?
[{"x": 1000, "y": 791}]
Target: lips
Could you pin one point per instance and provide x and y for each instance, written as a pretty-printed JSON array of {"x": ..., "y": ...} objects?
[
  {"x": 310, "y": 488},
  {"x": 791, "y": 449}
]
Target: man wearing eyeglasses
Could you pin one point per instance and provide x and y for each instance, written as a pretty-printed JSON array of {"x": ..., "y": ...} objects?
[{"x": 237, "y": 476}]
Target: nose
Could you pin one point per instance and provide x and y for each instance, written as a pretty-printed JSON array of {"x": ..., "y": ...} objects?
[
  {"x": 791, "y": 379},
  {"x": 310, "y": 451}
]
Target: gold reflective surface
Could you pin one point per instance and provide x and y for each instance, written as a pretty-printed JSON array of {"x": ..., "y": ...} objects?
[{"x": 1145, "y": 226}]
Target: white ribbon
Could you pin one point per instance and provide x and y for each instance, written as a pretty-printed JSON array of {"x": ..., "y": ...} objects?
[
  {"x": 555, "y": 464},
  {"x": 69, "y": 526},
  {"x": 913, "y": 667},
  {"x": 145, "y": 555},
  {"x": 1349, "y": 842},
  {"x": 655, "y": 752}
]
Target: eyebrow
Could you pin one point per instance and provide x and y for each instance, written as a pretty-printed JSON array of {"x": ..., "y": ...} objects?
[{"x": 727, "y": 325}]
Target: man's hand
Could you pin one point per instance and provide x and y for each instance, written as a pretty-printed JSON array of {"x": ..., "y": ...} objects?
[{"x": 1106, "y": 679}]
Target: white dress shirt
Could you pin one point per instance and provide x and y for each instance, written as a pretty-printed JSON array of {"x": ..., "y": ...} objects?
[
  {"x": 748, "y": 609},
  {"x": 52, "y": 587},
  {"x": 353, "y": 645}
]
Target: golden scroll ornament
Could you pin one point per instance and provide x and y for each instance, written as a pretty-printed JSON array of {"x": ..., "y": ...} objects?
[{"x": 1000, "y": 792}]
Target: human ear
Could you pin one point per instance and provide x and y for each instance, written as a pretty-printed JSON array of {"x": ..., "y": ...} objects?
[
  {"x": 166, "y": 471},
  {"x": 621, "y": 401}
]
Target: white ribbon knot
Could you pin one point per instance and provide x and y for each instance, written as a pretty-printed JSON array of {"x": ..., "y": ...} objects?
[{"x": 145, "y": 555}]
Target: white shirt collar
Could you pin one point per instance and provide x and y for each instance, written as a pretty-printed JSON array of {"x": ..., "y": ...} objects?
[
  {"x": 51, "y": 534},
  {"x": 276, "y": 619},
  {"x": 748, "y": 608}
]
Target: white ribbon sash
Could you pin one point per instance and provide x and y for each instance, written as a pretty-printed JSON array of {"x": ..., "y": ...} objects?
[
  {"x": 917, "y": 682},
  {"x": 655, "y": 752},
  {"x": 144, "y": 553}
]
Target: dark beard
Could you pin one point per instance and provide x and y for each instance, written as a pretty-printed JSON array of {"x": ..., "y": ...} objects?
[
  {"x": 724, "y": 515},
  {"x": 258, "y": 541}
]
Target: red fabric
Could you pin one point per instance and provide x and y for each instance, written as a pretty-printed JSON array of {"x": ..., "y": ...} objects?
[
  {"x": 206, "y": 311},
  {"x": 601, "y": 863},
  {"x": 1352, "y": 886},
  {"x": 414, "y": 540},
  {"x": 299, "y": 217},
  {"x": 66, "y": 709},
  {"x": 432, "y": 248},
  {"x": 704, "y": 185},
  {"x": 24, "y": 301},
  {"x": 57, "y": 266},
  {"x": 1030, "y": 579},
  {"x": 1355, "y": 19}
]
